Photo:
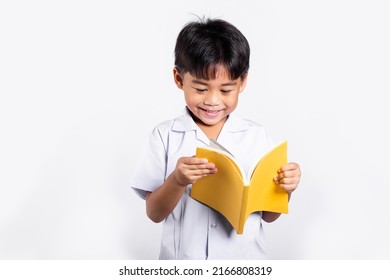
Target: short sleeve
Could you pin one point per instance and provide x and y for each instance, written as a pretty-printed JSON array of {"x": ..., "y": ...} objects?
[{"x": 151, "y": 168}]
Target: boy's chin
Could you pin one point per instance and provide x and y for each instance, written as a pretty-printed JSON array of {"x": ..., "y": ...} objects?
[{"x": 210, "y": 123}]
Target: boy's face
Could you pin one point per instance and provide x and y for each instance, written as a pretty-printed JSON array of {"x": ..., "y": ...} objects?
[{"x": 210, "y": 101}]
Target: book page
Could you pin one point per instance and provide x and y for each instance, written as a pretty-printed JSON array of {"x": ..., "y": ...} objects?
[
  {"x": 222, "y": 191},
  {"x": 264, "y": 194},
  {"x": 214, "y": 144}
]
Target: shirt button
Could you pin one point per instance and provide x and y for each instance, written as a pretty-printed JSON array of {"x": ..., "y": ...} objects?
[{"x": 213, "y": 225}]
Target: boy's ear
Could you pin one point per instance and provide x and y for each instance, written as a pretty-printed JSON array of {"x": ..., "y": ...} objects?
[
  {"x": 243, "y": 83},
  {"x": 177, "y": 78}
]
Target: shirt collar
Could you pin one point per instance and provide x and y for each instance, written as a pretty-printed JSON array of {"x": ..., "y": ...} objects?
[
  {"x": 232, "y": 124},
  {"x": 184, "y": 122}
]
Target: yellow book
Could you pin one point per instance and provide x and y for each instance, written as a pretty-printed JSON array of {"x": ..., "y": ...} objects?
[{"x": 235, "y": 194}]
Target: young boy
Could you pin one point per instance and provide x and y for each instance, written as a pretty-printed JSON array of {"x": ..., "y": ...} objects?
[{"x": 211, "y": 67}]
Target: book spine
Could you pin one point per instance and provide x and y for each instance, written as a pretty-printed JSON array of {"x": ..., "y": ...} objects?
[{"x": 244, "y": 206}]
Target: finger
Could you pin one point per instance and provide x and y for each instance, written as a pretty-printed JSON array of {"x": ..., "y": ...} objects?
[
  {"x": 205, "y": 171},
  {"x": 289, "y": 181},
  {"x": 210, "y": 172},
  {"x": 196, "y": 177},
  {"x": 289, "y": 166},
  {"x": 288, "y": 187},
  {"x": 193, "y": 160},
  {"x": 201, "y": 166},
  {"x": 288, "y": 174}
]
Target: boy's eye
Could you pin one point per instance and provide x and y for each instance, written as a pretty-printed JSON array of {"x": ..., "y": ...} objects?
[
  {"x": 200, "y": 89},
  {"x": 226, "y": 91}
]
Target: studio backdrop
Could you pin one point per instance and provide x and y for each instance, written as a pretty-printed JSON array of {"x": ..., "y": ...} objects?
[{"x": 82, "y": 83}]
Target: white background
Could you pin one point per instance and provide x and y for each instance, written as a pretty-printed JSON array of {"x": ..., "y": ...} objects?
[{"x": 82, "y": 83}]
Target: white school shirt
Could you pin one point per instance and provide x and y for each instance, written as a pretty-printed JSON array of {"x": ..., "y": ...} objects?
[{"x": 193, "y": 230}]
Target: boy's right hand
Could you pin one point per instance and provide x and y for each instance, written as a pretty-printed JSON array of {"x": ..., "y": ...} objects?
[{"x": 190, "y": 169}]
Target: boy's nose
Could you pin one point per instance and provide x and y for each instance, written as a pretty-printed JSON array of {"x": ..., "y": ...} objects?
[{"x": 211, "y": 99}]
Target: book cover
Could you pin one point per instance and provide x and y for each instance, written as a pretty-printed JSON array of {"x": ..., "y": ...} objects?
[{"x": 235, "y": 194}]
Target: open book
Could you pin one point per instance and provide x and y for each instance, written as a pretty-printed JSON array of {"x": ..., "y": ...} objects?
[{"x": 235, "y": 194}]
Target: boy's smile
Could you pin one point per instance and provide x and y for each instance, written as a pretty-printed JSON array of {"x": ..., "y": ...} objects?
[{"x": 210, "y": 101}]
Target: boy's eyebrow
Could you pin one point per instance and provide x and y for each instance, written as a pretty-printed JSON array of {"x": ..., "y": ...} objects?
[{"x": 205, "y": 84}]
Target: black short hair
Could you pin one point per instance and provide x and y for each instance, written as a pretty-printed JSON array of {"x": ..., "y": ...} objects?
[{"x": 203, "y": 46}]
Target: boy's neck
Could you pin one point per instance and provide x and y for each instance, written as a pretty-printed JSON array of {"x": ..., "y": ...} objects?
[{"x": 212, "y": 132}]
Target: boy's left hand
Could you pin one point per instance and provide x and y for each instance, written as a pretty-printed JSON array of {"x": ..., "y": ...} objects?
[{"x": 288, "y": 176}]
